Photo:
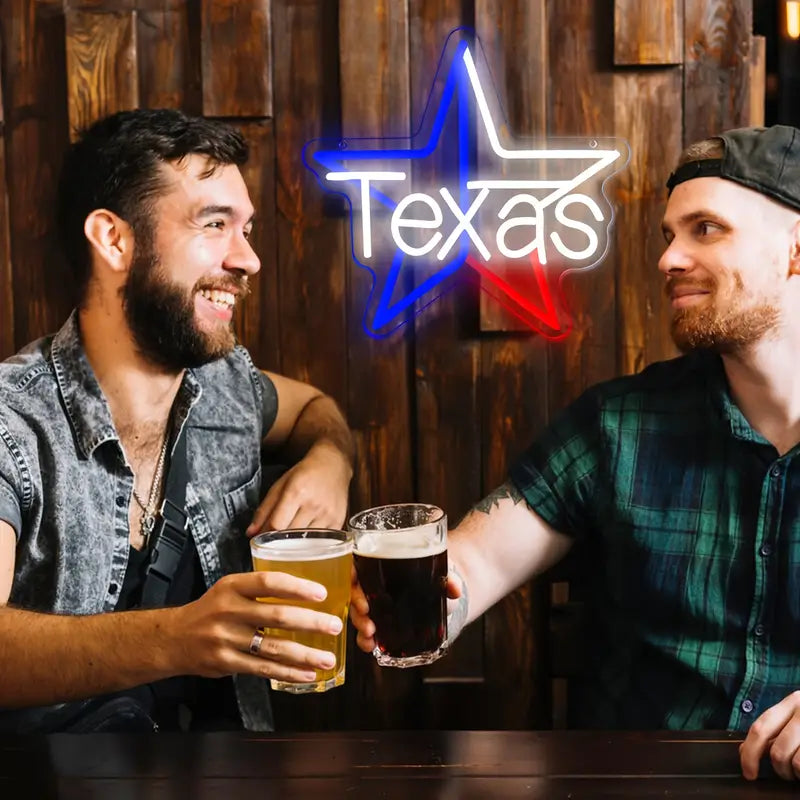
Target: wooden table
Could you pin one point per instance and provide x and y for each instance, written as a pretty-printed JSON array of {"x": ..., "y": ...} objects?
[{"x": 380, "y": 765}]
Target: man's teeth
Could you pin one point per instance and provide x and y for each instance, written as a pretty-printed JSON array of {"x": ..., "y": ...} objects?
[{"x": 225, "y": 299}]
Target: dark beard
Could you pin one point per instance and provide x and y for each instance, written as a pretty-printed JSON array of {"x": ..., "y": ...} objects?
[
  {"x": 705, "y": 330},
  {"x": 161, "y": 317}
]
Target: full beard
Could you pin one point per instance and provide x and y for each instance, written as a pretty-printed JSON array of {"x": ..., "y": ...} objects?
[
  {"x": 708, "y": 328},
  {"x": 161, "y": 317}
]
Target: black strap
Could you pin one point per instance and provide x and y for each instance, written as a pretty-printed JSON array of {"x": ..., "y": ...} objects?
[
  {"x": 705, "y": 168},
  {"x": 171, "y": 531}
]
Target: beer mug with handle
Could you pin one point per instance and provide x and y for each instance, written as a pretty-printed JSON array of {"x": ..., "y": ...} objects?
[{"x": 400, "y": 556}]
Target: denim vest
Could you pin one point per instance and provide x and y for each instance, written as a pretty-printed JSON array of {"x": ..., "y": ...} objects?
[{"x": 66, "y": 486}]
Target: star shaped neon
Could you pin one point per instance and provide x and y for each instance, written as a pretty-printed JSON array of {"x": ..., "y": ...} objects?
[{"x": 415, "y": 243}]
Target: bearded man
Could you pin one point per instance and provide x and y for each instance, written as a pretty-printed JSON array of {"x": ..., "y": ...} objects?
[
  {"x": 681, "y": 483},
  {"x": 155, "y": 220}
]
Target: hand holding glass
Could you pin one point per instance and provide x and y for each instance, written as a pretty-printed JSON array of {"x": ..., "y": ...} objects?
[
  {"x": 316, "y": 554},
  {"x": 400, "y": 555}
]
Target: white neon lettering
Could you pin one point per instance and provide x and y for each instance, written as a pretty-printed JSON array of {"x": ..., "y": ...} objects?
[
  {"x": 366, "y": 216},
  {"x": 420, "y": 224},
  {"x": 464, "y": 224},
  {"x": 576, "y": 225},
  {"x": 537, "y": 243}
]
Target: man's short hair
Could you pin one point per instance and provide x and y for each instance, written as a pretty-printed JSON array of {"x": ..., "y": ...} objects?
[
  {"x": 766, "y": 160},
  {"x": 116, "y": 164}
]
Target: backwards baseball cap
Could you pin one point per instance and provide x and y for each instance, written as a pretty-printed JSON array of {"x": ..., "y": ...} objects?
[{"x": 766, "y": 160}]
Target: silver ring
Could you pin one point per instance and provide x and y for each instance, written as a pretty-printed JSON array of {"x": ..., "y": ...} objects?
[{"x": 255, "y": 643}]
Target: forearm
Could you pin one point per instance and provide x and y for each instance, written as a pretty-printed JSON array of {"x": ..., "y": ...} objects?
[
  {"x": 48, "y": 658},
  {"x": 319, "y": 426}
]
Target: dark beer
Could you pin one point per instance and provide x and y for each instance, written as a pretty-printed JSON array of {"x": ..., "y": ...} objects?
[{"x": 405, "y": 588}]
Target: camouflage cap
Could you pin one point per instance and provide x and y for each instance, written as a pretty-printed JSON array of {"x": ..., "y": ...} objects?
[{"x": 766, "y": 160}]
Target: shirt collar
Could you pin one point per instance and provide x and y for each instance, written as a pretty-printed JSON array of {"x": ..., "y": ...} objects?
[{"x": 84, "y": 401}]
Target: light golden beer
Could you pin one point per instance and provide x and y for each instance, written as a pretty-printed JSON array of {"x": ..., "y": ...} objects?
[{"x": 320, "y": 555}]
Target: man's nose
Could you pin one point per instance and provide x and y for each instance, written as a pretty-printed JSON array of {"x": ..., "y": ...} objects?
[
  {"x": 675, "y": 259},
  {"x": 242, "y": 257}
]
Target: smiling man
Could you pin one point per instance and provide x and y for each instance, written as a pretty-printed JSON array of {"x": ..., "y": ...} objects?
[
  {"x": 155, "y": 220},
  {"x": 681, "y": 483}
]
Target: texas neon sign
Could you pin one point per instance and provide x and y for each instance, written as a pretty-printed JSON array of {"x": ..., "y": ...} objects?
[{"x": 455, "y": 195}]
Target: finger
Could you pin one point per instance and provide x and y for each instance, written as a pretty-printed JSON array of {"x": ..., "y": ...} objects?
[
  {"x": 292, "y": 618},
  {"x": 454, "y": 586},
  {"x": 264, "y": 510},
  {"x": 362, "y": 623},
  {"x": 283, "y": 513},
  {"x": 280, "y": 585},
  {"x": 358, "y": 600},
  {"x": 762, "y": 731},
  {"x": 244, "y": 663},
  {"x": 289, "y": 653},
  {"x": 784, "y": 749},
  {"x": 303, "y": 518},
  {"x": 365, "y": 643}
]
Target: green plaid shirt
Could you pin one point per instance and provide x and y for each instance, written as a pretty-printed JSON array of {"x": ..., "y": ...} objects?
[{"x": 691, "y": 524}]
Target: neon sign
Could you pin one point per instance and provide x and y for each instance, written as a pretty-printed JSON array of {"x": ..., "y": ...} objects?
[{"x": 458, "y": 194}]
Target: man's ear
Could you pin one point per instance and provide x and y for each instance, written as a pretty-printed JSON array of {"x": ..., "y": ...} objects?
[
  {"x": 110, "y": 237},
  {"x": 794, "y": 250}
]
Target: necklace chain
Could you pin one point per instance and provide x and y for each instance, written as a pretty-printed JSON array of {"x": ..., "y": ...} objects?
[{"x": 149, "y": 508}]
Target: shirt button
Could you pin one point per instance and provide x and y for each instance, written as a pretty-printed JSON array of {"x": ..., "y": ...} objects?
[
  {"x": 766, "y": 549},
  {"x": 747, "y": 706},
  {"x": 775, "y": 472},
  {"x": 759, "y": 630},
  {"x": 112, "y": 589},
  {"x": 120, "y": 501}
]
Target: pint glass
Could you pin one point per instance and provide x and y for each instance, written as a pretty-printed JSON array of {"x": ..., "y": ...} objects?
[
  {"x": 320, "y": 555},
  {"x": 400, "y": 555}
]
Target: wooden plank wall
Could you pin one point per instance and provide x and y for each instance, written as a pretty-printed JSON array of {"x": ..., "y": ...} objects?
[{"x": 441, "y": 406}]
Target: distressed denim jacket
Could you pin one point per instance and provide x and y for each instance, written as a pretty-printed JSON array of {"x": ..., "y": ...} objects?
[{"x": 66, "y": 486}]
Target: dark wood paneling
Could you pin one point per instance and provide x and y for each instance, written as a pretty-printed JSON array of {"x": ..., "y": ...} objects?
[
  {"x": 644, "y": 104},
  {"x": 580, "y": 58},
  {"x": 717, "y": 66},
  {"x": 6, "y": 278},
  {"x": 647, "y": 33},
  {"x": 514, "y": 38},
  {"x": 258, "y": 324},
  {"x": 758, "y": 80},
  {"x": 101, "y": 65},
  {"x": 168, "y": 45},
  {"x": 236, "y": 58},
  {"x": 35, "y": 103},
  {"x": 311, "y": 249},
  {"x": 374, "y": 98}
]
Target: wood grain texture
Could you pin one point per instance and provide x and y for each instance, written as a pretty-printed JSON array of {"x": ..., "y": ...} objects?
[
  {"x": 168, "y": 45},
  {"x": 101, "y": 65},
  {"x": 6, "y": 277},
  {"x": 643, "y": 108},
  {"x": 237, "y": 58},
  {"x": 717, "y": 66},
  {"x": 514, "y": 39},
  {"x": 36, "y": 128},
  {"x": 758, "y": 81},
  {"x": 258, "y": 323},
  {"x": 373, "y": 68},
  {"x": 311, "y": 250},
  {"x": 648, "y": 33}
]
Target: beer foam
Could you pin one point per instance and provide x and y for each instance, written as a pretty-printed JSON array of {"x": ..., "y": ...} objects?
[
  {"x": 301, "y": 549},
  {"x": 404, "y": 544}
]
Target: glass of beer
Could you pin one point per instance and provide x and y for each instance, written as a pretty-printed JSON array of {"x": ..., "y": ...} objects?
[
  {"x": 400, "y": 555},
  {"x": 320, "y": 555}
]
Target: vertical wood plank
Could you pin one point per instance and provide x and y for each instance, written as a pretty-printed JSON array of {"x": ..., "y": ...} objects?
[
  {"x": 101, "y": 65},
  {"x": 258, "y": 323},
  {"x": 644, "y": 116},
  {"x": 580, "y": 59},
  {"x": 168, "y": 44},
  {"x": 36, "y": 135},
  {"x": 717, "y": 66},
  {"x": 311, "y": 251},
  {"x": 236, "y": 58},
  {"x": 647, "y": 33},
  {"x": 6, "y": 277},
  {"x": 513, "y": 378},
  {"x": 514, "y": 38},
  {"x": 374, "y": 97},
  {"x": 758, "y": 81}
]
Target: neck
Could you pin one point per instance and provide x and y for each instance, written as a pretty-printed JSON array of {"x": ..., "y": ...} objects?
[
  {"x": 765, "y": 385},
  {"x": 139, "y": 393}
]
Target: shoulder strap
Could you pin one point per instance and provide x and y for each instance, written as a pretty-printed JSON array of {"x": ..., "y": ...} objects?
[{"x": 171, "y": 531}]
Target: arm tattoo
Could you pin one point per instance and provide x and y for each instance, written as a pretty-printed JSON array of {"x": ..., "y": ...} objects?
[{"x": 493, "y": 500}]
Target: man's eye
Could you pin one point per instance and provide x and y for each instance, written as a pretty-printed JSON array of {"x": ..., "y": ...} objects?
[
  {"x": 706, "y": 228},
  {"x": 248, "y": 233},
  {"x": 217, "y": 223}
]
